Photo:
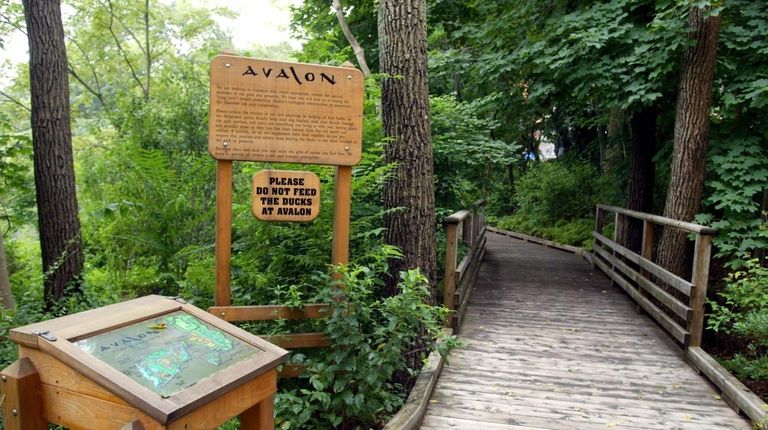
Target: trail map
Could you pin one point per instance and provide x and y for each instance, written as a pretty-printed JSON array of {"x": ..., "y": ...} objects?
[{"x": 169, "y": 353}]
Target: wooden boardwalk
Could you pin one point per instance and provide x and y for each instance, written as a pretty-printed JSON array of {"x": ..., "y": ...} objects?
[{"x": 550, "y": 344}]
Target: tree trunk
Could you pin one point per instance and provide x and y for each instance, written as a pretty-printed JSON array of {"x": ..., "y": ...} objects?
[
  {"x": 691, "y": 139},
  {"x": 409, "y": 196},
  {"x": 6, "y": 295},
  {"x": 60, "y": 241},
  {"x": 642, "y": 172}
]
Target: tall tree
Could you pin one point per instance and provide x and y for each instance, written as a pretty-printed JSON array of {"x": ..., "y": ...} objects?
[
  {"x": 691, "y": 138},
  {"x": 409, "y": 196},
  {"x": 59, "y": 227},
  {"x": 642, "y": 172}
]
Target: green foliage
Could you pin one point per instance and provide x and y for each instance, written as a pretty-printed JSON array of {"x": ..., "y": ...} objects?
[
  {"x": 557, "y": 190},
  {"x": 315, "y": 22},
  {"x": 370, "y": 338},
  {"x": 576, "y": 232},
  {"x": 465, "y": 153},
  {"x": 16, "y": 202},
  {"x": 147, "y": 215},
  {"x": 743, "y": 311},
  {"x": 739, "y": 176},
  {"x": 746, "y": 367}
]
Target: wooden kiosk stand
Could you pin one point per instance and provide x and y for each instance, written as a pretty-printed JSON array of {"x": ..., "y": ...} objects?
[{"x": 149, "y": 363}]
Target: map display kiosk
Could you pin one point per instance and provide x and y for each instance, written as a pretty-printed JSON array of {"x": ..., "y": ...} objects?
[{"x": 150, "y": 363}]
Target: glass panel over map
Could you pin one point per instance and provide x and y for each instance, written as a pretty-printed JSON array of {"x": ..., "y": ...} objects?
[{"x": 169, "y": 353}]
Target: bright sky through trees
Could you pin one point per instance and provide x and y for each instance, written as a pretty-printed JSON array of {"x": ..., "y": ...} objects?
[{"x": 259, "y": 22}]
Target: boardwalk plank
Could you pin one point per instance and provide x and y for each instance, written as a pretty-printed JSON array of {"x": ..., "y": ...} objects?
[{"x": 549, "y": 344}]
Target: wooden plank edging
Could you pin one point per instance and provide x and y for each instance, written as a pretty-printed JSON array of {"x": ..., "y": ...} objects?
[
  {"x": 409, "y": 417},
  {"x": 738, "y": 393},
  {"x": 569, "y": 248}
]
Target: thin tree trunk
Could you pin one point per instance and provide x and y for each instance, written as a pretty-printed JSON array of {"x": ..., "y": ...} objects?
[
  {"x": 409, "y": 196},
  {"x": 642, "y": 172},
  {"x": 359, "y": 52},
  {"x": 59, "y": 227},
  {"x": 691, "y": 139},
  {"x": 6, "y": 295}
]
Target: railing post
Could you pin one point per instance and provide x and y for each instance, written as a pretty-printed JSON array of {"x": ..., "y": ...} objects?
[
  {"x": 646, "y": 251},
  {"x": 449, "y": 289},
  {"x": 467, "y": 231},
  {"x": 699, "y": 279},
  {"x": 647, "y": 247},
  {"x": 599, "y": 219}
]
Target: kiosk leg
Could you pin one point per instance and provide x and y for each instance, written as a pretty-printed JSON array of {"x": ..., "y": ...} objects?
[
  {"x": 260, "y": 417},
  {"x": 22, "y": 407}
]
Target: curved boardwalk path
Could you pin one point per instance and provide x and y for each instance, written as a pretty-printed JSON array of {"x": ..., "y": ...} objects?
[{"x": 549, "y": 344}]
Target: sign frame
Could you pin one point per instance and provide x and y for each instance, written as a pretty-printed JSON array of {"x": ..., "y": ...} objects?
[
  {"x": 342, "y": 198},
  {"x": 56, "y": 338}
]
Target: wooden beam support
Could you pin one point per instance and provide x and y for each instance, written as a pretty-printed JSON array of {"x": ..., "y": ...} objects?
[
  {"x": 259, "y": 417},
  {"x": 341, "y": 212},
  {"x": 699, "y": 278},
  {"x": 271, "y": 312},
  {"x": 449, "y": 280},
  {"x": 222, "y": 296},
  {"x": 23, "y": 405}
]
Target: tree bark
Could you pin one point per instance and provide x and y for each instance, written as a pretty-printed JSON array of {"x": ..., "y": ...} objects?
[
  {"x": 642, "y": 172},
  {"x": 6, "y": 294},
  {"x": 409, "y": 197},
  {"x": 59, "y": 227},
  {"x": 691, "y": 138},
  {"x": 359, "y": 52}
]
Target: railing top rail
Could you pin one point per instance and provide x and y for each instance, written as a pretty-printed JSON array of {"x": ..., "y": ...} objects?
[
  {"x": 457, "y": 217},
  {"x": 461, "y": 215},
  {"x": 686, "y": 226},
  {"x": 478, "y": 203}
]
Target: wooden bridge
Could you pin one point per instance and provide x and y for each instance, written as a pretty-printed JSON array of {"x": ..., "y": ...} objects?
[{"x": 551, "y": 342}]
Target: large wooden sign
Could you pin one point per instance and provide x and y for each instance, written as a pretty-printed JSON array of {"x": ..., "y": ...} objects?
[
  {"x": 286, "y": 195},
  {"x": 275, "y": 111}
]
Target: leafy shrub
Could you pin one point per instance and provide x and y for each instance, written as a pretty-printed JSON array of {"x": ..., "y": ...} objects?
[
  {"x": 739, "y": 172},
  {"x": 743, "y": 312},
  {"x": 352, "y": 380},
  {"x": 577, "y": 232},
  {"x": 555, "y": 190},
  {"x": 465, "y": 152}
]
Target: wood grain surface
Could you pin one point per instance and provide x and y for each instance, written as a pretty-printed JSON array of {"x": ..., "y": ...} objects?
[{"x": 549, "y": 344}]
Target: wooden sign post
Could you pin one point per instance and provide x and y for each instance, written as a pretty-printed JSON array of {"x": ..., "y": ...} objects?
[
  {"x": 148, "y": 363},
  {"x": 273, "y": 111}
]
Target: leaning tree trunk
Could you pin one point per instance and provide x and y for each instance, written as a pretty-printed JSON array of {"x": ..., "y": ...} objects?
[
  {"x": 691, "y": 138},
  {"x": 642, "y": 147},
  {"x": 409, "y": 196},
  {"x": 60, "y": 241}
]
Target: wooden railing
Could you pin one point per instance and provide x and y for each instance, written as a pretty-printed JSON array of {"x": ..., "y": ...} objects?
[
  {"x": 459, "y": 280},
  {"x": 278, "y": 312},
  {"x": 679, "y": 308}
]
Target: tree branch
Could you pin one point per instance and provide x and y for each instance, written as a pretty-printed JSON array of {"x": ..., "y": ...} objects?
[
  {"x": 120, "y": 48},
  {"x": 147, "y": 51},
  {"x": 97, "y": 91},
  {"x": 15, "y": 101},
  {"x": 359, "y": 52},
  {"x": 9, "y": 21}
]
